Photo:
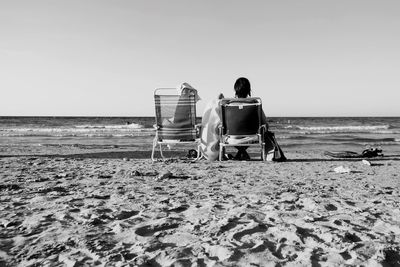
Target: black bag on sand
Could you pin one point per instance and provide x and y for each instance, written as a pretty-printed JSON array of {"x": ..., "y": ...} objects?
[
  {"x": 273, "y": 150},
  {"x": 367, "y": 153}
]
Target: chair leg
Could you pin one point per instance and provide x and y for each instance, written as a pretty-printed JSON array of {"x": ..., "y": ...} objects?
[
  {"x": 221, "y": 152},
  {"x": 198, "y": 157},
  {"x": 161, "y": 152},
  {"x": 154, "y": 147},
  {"x": 262, "y": 142},
  {"x": 263, "y": 156}
]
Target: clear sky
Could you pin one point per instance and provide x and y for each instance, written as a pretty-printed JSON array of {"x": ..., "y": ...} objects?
[{"x": 105, "y": 58}]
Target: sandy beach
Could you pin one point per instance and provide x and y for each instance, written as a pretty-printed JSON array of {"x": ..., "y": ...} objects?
[{"x": 120, "y": 209}]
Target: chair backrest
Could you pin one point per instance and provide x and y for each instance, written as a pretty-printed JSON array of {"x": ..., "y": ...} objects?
[
  {"x": 175, "y": 114},
  {"x": 240, "y": 116}
]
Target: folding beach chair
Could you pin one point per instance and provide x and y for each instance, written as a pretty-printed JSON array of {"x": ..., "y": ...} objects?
[
  {"x": 175, "y": 119},
  {"x": 241, "y": 124}
]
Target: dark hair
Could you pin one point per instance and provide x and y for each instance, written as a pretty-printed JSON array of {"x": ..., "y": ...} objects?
[{"x": 242, "y": 87}]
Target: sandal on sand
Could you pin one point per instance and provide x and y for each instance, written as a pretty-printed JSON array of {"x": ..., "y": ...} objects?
[
  {"x": 192, "y": 154},
  {"x": 242, "y": 155},
  {"x": 227, "y": 157}
]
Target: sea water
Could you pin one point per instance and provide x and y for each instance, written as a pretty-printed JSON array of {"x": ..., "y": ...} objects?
[{"x": 292, "y": 133}]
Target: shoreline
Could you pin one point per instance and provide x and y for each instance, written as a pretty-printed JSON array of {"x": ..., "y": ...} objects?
[{"x": 293, "y": 155}]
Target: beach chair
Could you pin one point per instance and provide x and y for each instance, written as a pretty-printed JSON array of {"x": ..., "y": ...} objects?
[
  {"x": 175, "y": 120},
  {"x": 241, "y": 124}
]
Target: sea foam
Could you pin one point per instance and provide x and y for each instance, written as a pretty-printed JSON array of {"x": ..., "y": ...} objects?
[{"x": 345, "y": 129}]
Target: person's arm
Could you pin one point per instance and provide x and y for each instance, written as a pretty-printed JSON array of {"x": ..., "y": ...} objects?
[{"x": 264, "y": 118}]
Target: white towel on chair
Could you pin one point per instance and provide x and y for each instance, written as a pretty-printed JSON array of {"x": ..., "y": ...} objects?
[{"x": 242, "y": 140}]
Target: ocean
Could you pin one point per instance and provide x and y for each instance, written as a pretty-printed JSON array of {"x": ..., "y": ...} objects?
[{"x": 293, "y": 133}]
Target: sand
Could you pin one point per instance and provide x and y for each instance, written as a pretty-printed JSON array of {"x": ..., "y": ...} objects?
[{"x": 84, "y": 210}]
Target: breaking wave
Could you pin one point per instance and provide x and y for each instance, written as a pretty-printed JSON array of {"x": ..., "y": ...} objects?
[
  {"x": 342, "y": 129},
  {"x": 126, "y": 126},
  {"x": 79, "y": 131}
]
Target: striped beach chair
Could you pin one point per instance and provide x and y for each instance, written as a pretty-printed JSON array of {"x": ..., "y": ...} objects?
[{"x": 175, "y": 119}]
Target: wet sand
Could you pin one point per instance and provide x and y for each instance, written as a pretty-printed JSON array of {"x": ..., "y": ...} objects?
[{"x": 119, "y": 209}]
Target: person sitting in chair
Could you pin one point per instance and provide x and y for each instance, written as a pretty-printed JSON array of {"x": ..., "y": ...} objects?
[
  {"x": 211, "y": 121},
  {"x": 243, "y": 90}
]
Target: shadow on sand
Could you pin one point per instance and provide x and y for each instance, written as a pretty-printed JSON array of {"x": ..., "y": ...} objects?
[
  {"x": 105, "y": 155},
  {"x": 325, "y": 159}
]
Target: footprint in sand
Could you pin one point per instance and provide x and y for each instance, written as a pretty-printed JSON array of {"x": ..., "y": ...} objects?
[
  {"x": 179, "y": 208},
  {"x": 252, "y": 228},
  {"x": 125, "y": 214},
  {"x": 330, "y": 207},
  {"x": 162, "y": 225},
  {"x": 227, "y": 225},
  {"x": 304, "y": 233}
]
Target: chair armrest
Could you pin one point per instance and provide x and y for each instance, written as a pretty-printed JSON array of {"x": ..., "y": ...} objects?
[
  {"x": 263, "y": 127},
  {"x": 262, "y": 130},
  {"x": 220, "y": 130}
]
